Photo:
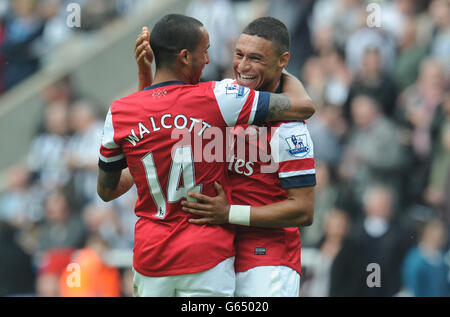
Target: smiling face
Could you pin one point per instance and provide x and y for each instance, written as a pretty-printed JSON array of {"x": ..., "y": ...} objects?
[{"x": 257, "y": 64}]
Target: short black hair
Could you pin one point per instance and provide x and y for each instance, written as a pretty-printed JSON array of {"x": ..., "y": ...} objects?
[
  {"x": 270, "y": 29},
  {"x": 171, "y": 34}
]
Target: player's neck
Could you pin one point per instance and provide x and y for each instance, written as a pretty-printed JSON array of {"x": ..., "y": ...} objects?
[
  {"x": 164, "y": 75},
  {"x": 275, "y": 85},
  {"x": 270, "y": 87}
]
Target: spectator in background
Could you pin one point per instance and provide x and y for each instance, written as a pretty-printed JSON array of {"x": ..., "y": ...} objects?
[
  {"x": 416, "y": 109},
  {"x": 326, "y": 196},
  {"x": 218, "y": 18},
  {"x": 373, "y": 152},
  {"x": 339, "y": 78},
  {"x": 396, "y": 14},
  {"x": 127, "y": 219},
  {"x": 81, "y": 151},
  {"x": 425, "y": 271},
  {"x": 125, "y": 6},
  {"x": 62, "y": 91},
  {"x": 373, "y": 81},
  {"x": 21, "y": 28},
  {"x": 3, "y": 10},
  {"x": 96, "y": 14},
  {"x": 61, "y": 227},
  {"x": 46, "y": 156},
  {"x": 103, "y": 220},
  {"x": 347, "y": 273},
  {"x": 438, "y": 186},
  {"x": 16, "y": 269},
  {"x": 327, "y": 128},
  {"x": 358, "y": 42},
  {"x": 31, "y": 31},
  {"x": 96, "y": 278},
  {"x": 55, "y": 31},
  {"x": 410, "y": 53},
  {"x": 440, "y": 45},
  {"x": 419, "y": 102},
  {"x": 323, "y": 41},
  {"x": 315, "y": 80},
  {"x": 294, "y": 14},
  {"x": 127, "y": 282},
  {"x": 383, "y": 239},
  {"x": 338, "y": 269},
  {"x": 51, "y": 266},
  {"x": 20, "y": 200},
  {"x": 4, "y": 7},
  {"x": 326, "y": 77},
  {"x": 335, "y": 20}
]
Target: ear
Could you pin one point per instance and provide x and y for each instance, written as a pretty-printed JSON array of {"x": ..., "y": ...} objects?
[
  {"x": 284, "y": 59},
  {"x": 184, "y": 56}
]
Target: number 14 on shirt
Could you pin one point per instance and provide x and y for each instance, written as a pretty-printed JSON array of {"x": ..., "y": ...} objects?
[{"x": 182, "y": 166}]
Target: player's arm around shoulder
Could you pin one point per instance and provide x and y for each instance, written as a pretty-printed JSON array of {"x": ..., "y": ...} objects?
[
  {"x": 293, "y": 103},
  {"x": 295, "y": 160},
  {"x": 297, "y": 210}
]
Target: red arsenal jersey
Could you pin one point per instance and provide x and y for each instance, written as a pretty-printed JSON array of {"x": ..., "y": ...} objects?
[
  {"x": 163, "y": 134},
  {"x": 276, "y": 157}
]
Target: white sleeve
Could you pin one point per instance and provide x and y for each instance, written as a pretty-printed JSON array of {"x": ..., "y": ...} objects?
[
  {"x": 239, "y": 104},
  {"x": 111, "y": 156},
  {"x": 292, "y": 148}
]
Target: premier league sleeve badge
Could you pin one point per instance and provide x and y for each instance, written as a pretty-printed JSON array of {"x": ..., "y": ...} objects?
[{"x": 298, "y": 145}]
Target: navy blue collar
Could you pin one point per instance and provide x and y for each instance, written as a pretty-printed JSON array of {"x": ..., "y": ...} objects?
[
  {"x": 165, "y": 83},
  {"x": 280, "y": 86}
]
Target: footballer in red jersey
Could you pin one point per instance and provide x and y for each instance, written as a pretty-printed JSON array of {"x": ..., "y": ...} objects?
[
  {"x": 261, "y": 181},
  {"x": 139, "y": 133},
  {"x": 153, "y": 134},
  {"x": 267, "y": 253}
]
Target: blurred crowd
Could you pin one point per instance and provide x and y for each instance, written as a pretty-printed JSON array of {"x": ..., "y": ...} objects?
[
  {"x": 381, "y": 136},
  {"x": 31, "y": 29},
  {"x": 382, "y": 144},
  {"x": 50, "y": 213}
]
